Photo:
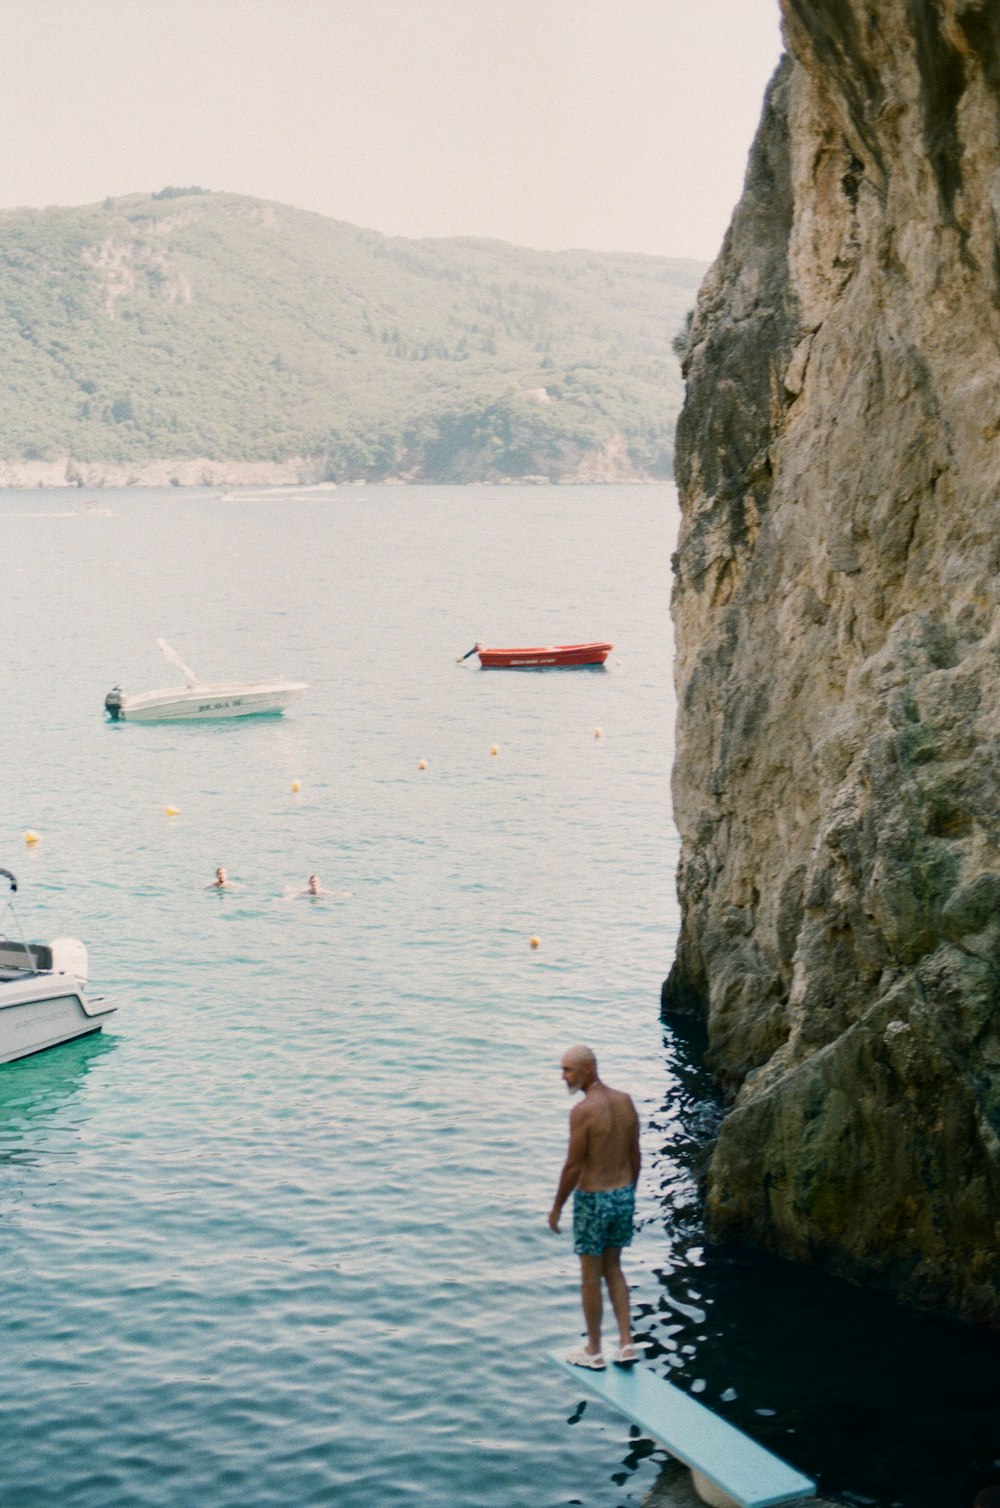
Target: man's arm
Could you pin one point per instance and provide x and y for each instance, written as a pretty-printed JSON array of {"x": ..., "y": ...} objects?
[
  {"x": 576, "y": 1158},
  {"x": 634, "y": 1154}
]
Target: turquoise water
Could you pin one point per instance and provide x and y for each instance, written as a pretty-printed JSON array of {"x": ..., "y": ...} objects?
[{"x": 277, "y": 1236}]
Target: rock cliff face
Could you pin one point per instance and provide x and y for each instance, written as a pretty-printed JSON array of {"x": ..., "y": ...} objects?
[{"x": 837, "y": 605}]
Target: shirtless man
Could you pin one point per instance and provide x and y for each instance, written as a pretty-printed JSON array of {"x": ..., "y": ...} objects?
[{"x": 601, "y": 1169}]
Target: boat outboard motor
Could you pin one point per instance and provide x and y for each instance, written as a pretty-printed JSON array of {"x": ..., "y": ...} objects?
[
  {"x": 68, "y": 955},
  {"x": 113, "y": 703}
]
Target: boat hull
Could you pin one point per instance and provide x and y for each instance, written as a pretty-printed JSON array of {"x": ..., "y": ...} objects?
[
  {"x": 37, "y": 1013},
  {"x": 545, "y": 657},
  {"x": 183, "y": 704}
]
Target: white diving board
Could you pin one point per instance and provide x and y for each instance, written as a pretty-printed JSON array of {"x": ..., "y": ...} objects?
[{"x": 714, "y": 1449}]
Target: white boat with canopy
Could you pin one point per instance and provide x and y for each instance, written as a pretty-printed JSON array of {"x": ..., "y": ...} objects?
[
  {"x": 201, "y": 699},
  {"x": 42, "y": 991}
]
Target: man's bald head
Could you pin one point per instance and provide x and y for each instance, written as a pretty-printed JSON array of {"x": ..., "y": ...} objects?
[{"x": 579, "y": 1068}]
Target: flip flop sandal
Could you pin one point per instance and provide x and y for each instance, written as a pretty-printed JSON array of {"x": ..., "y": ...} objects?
[{"x": 626, "y": 1356}]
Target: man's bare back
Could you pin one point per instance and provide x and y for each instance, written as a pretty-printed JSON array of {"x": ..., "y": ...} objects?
[{"x": 606, "y": 1121}]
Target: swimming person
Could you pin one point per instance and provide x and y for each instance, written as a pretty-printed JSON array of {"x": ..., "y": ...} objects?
[
  {"x": 315, "y": 889},
  {"x": 601, "y": 1169},
  {"x": 221, "y": 881}
]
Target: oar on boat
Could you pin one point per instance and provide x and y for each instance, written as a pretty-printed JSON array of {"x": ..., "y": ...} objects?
[{"x": 460, "y": 658}]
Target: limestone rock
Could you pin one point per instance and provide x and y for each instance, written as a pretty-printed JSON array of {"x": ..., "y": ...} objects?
[{"x": 837, "y": 610}]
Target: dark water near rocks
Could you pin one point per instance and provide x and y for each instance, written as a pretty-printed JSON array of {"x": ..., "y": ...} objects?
[
  {"x": 883, "y": 1406},
  {"x": 278, "y": 1236}
]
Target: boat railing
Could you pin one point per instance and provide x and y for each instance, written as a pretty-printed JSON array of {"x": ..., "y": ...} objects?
[{"x": 16, "y": 953}]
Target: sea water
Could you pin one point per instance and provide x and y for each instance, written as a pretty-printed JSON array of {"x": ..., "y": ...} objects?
[{"x": 278, "y": 1235}]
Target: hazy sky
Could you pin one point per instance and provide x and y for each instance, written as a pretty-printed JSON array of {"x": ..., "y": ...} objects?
[{"x": 618, "y": 125}]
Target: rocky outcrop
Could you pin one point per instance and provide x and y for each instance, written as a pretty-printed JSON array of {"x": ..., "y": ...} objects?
[
  {"x": 837, "y": 606},
  {"x": 539, "y": 458}
]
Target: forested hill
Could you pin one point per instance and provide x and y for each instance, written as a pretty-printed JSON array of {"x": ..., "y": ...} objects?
[{"x": 188, "y": 327}]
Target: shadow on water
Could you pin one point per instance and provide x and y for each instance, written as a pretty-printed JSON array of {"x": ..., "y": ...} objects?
[
  {"x": 549, "y": 669},
  {"x": 34, "y": 1090},
  {"x": 883, "y": 1406}
]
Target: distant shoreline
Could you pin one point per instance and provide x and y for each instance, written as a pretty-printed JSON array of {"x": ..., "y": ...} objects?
[{"x": 67, "y": 474}]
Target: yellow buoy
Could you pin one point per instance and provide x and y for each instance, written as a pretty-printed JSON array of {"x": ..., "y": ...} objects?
[
  {"x": 171, "y": 811},
  {"x": 421, "y": 764},
  {"x": 30, "y": 837},
  {"x": 534, "y": 942},
  {"x": 296, "y": 786},
  {"x": 494, "y": 750},
  {"x": 597, "y": 732}
]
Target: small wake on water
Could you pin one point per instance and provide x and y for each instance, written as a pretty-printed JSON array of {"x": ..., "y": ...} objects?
[{"x": 318, "y": 490}]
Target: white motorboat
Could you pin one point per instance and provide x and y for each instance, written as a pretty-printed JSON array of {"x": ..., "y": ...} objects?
[
  {"x": 42, "y": 993},
  {"x": 201, "y": 699}
]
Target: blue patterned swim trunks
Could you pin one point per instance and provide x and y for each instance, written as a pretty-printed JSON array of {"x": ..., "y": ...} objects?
[{"x": 602, "y": 1218}]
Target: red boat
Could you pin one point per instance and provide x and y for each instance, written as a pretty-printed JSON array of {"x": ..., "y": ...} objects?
[{"x": 559, "y": 656}]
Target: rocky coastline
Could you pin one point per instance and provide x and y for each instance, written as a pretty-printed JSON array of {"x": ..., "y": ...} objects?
[
  {"x": 837, "y": 612},
  {"x": 180, "y": 472},
  {"x": 569, "y": 465}
]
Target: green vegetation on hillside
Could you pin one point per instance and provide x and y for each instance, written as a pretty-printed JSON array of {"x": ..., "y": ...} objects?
[{"x": 188, "y": 324}]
